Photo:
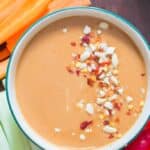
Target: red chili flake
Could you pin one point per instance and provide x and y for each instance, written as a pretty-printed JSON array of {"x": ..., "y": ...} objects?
[
  {"x": 117, "y": 106},
  {"x": 73, "y": 44},
  {"x": 106, "y": 122},
  {"x": 85, "y": 124},
  {"x": 101, "y": 84},
  {"x": 77, "y": 57},
  {"x": 105, "y": 63},
  {"x": 90, "y": 82},
  {"x": 85, "y": 39},
  {"x": 94, "y": 58},
  {"x": 143, "y": 74},
  {"x": 96, "y": 71},
  {"x": 99, "y": 74},
  {"x": 111, "y": 136},
  {"x": 78, "y": 72},
  {"x": 69, "y": 69}
]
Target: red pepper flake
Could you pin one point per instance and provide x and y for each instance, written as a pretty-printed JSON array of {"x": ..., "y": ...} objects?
[
  {"x": 85, "y": 124},
  {"x": 90, "y": 82},
  {"x": 69, "y": 69},
  {"x": 93, "y": 58},
  {"x": 143, "y": 74},
  {"x": 78, "y": 72},
  {"x": 77, "y": 57},
  {"x": 117, "y": 106},
  {"x": 73, "y": 44},
  {"x": 101, "y": 84},
  {"x": 106, "y": 122},
  {"x": 105, "y": 63},
  {"x": 98, "y": 74},
  {"x": 111, "y": 136},
  {"x": 85, "y": 39}
]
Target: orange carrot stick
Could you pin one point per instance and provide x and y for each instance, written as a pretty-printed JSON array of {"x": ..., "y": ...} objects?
[
  {"x": 12, "y": 7},
  {"x": 10, "y": 27},
  {"x": 12, "y": 41},
  {"x": 79, "y": 3},
  {"x": 57, "y": 4},
  {"x": 3, "y": 67},
  {"x": 4, "y": 4},
  {"x": 4, "y": 53}
]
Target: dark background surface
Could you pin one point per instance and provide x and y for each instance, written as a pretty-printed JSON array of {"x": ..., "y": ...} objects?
[{"x": 136, "y": 11}]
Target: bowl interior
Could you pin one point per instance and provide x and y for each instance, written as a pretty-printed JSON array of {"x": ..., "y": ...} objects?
[{"x": 45, "y": 21}]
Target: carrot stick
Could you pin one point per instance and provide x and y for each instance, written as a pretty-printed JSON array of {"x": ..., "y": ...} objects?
[
  {"x": 12, "y": 41},
  {"x": 57, "y": 4},
  {"x": 30, "y": 12},
  {"x": 4, "y": 4},
  {"x": 3, "y": 67},
  {"x": 79, "y": 3},
  {"x": 7, "y": 12},
  {"x": 4, "y": 54}
]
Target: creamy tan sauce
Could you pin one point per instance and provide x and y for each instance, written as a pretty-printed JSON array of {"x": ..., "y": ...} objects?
[{"x": 47, "y": 93}]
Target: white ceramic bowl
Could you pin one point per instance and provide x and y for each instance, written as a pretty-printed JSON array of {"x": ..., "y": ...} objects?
[{"x": 121, "y": 23}]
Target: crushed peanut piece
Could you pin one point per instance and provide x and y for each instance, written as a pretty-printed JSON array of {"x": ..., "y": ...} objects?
[
  {"x": 129, "y": 99},
  {"x": 64, "y": 30},
  {"x": 103, "y": 25},
  {"x": 87, "y": 29},
  {"x": 89, "y": 109},
  {"x": 82, "y": 137},
  {"x": 100, "y": 101},
  {"x": 109, "y": 129},
  {"x": 108, "y": 105}
]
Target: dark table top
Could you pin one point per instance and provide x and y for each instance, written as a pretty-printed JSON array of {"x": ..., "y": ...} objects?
[{"x": 136, "y": 11}]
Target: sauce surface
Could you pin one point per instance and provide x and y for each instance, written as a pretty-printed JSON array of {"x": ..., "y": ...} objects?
[{"x": 48, "y": 94}]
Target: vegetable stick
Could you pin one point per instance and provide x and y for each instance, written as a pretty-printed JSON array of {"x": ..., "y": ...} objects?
[
  {"x": 3, "y": 67},
  {"x": 22, "y": 19},
  {"x": 7, "y": 12},
  {"x": 4, "y": 4},
  {"x": 15, "y": 138},
  {"x": 79, "y": 3},
  {"x": 12, "y": 41},
  {"x": 3, "y": 140},
  {"x": 4, "y": 53},
  {"x": 57, "y": 4},
  {"x": 19, "y": 10}
]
